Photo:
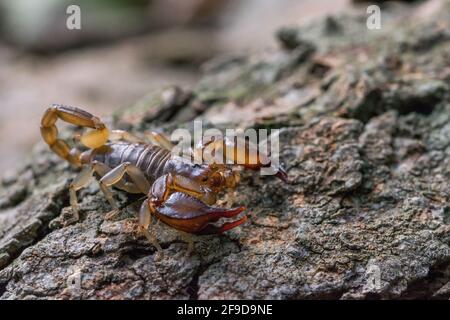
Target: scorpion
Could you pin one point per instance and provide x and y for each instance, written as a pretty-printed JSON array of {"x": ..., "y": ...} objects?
[{"x": 179, "y": 193}]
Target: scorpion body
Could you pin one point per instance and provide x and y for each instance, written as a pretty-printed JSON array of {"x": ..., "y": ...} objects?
[
  {"x": 179, "y": 193},
  {"x": 152, "y": 160}
]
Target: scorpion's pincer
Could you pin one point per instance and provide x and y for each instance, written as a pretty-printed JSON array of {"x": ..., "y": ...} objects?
[{"x": 187, "y": 213}]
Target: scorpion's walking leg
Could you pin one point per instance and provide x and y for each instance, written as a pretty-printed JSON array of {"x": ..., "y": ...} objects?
[
  {"x": 159, "y": 140},
  {"x": 145, "y": 220},
  {"x": 188, "y": 239},
  {"x": 121, "y": 135},
  {"x": 81, "y": 181},
  {"x": 115, "y": 177}
]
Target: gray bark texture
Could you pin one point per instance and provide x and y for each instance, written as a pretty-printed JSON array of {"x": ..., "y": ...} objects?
[{"x": 365, "y": 137}]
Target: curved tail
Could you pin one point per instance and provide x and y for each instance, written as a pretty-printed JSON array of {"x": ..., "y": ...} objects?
[{"x": 92, "y": 139}]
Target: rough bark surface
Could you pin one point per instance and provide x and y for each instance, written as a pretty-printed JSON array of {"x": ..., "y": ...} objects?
[{"x": 365, "y": 137}]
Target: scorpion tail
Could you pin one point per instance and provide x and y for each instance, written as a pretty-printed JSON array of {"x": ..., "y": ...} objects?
[{"x": 92, "y": 139}]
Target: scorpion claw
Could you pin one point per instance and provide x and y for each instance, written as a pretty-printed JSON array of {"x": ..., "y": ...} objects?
[
  {"x": 212, "y": 229},
  {"x": 189, "y": 214}
]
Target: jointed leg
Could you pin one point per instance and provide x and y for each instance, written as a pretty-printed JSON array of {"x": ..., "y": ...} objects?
[
  {"x": 81, "y": 181},
  {"x": 159, "y": 140},
  {"x": 118, "y": 135},
  {"x": 115, "y": 177},
  {"x": 188, "y": 239},
  {"x": 145, "y": 220}
]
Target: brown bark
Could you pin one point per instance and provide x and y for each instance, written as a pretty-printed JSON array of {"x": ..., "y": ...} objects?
[{"x": 365, "y": 137}]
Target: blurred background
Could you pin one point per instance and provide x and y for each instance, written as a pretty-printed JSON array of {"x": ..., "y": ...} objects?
[{"x": 124, "y": 50}]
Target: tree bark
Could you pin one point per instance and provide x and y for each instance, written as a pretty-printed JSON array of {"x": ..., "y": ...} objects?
[{"x": 365, "y": 137}]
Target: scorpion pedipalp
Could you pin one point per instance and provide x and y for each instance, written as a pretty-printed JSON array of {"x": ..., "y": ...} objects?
[
  {"x": 188, "y": 214},
  {"x": 237, "y": 151}
]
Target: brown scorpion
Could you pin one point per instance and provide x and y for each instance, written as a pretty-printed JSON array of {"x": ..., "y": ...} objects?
[{"x": 181, "y": 193}]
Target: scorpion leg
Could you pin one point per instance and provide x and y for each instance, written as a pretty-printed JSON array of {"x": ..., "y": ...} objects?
[
  {"x": 115, "y": 177},
  {"x": 84, "y": 178},
  {"x": 188, "y": 239},
  {"x": 159, "y": 140},
  {"x": 145, "y": 220},
  {"x": 81, "y": 181},
  {"x": 121, "y": 135}
]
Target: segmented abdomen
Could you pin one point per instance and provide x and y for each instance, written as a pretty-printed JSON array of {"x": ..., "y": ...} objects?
[{"x": 149, "y": 158}]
